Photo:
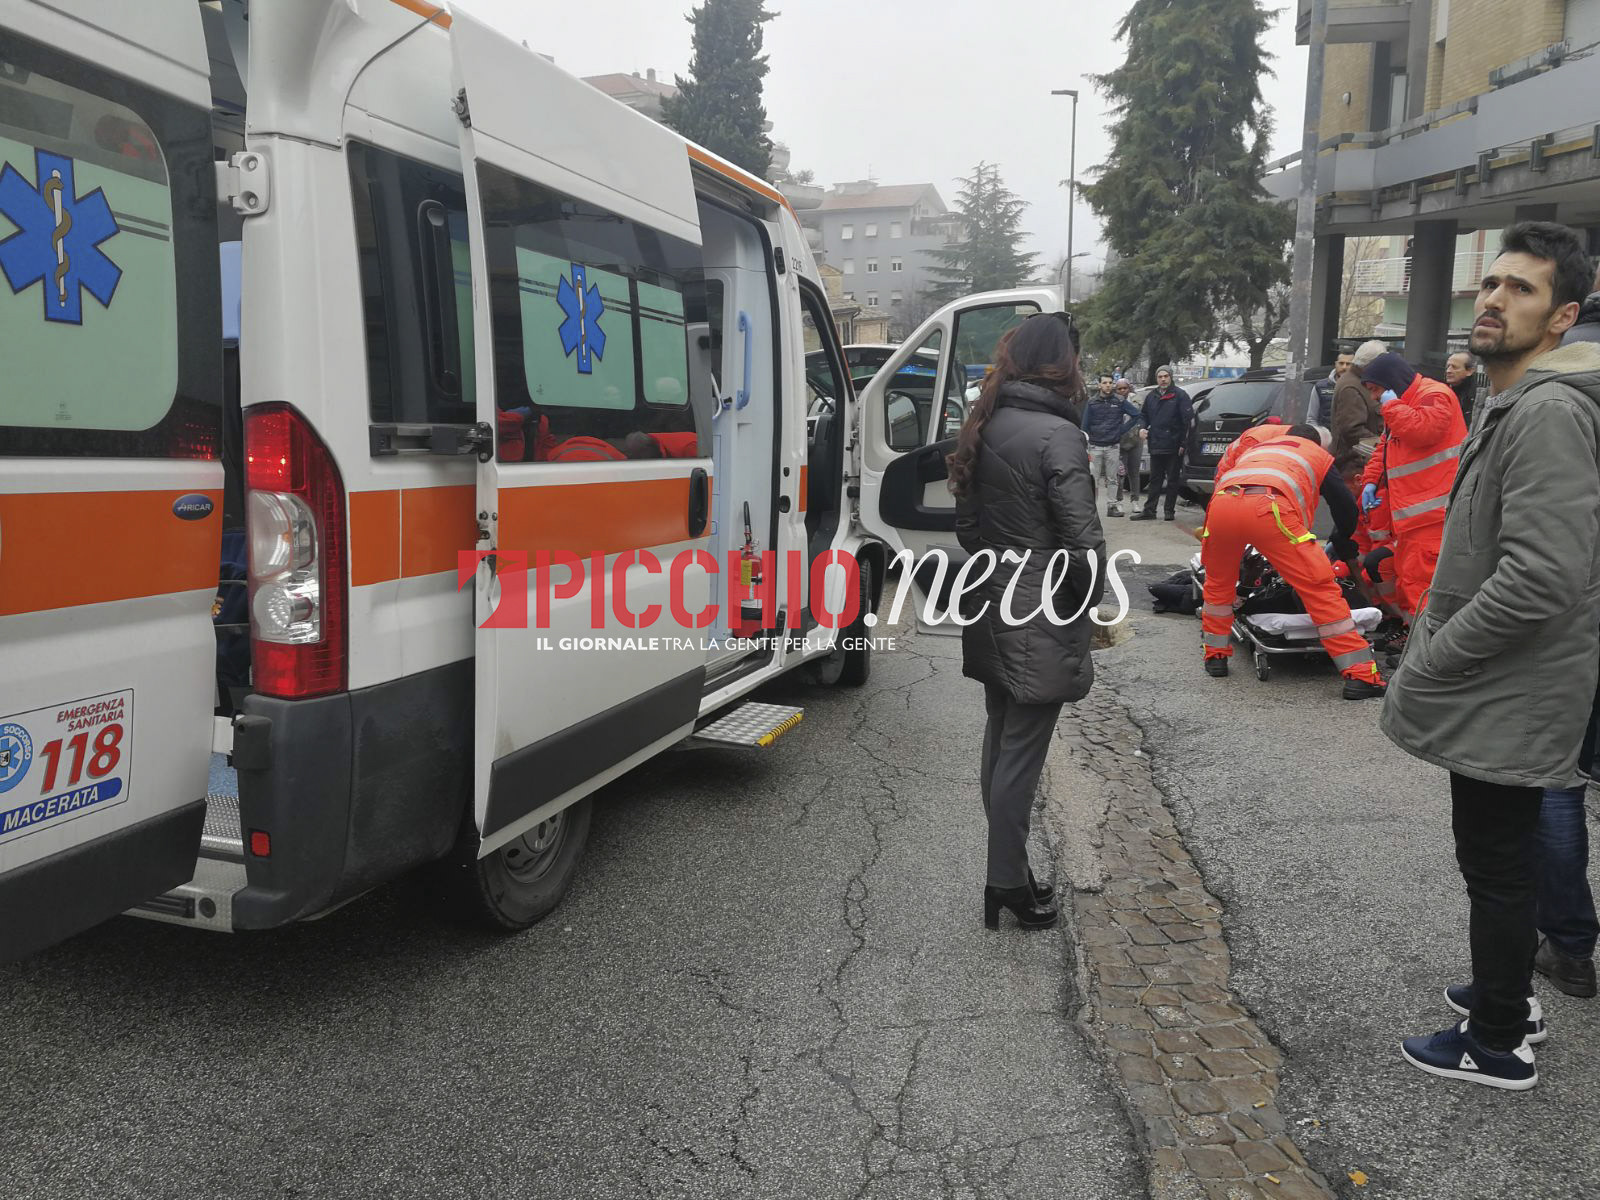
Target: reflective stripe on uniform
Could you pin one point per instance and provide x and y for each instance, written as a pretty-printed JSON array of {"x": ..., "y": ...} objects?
[
  {"x": 1281, "y": 450},
  {"x": 1416, "y": 510},
  {"x": 1422, "y": 464},
  {"x": 1284, "y": 529},
  {"x": 1334, "y": 630},
  {"x": 1273, "y": 472},
  {"x": 1219, "y": 641},
  {"x": 1387, "y": 588},
  {"x": 1379, "y": 535},
  {"x": 1354, "y": 659},
  {"x": 1217, "y": 610}
]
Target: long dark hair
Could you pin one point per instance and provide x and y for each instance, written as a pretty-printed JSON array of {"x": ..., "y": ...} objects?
[{"x": 1041, "y": 351}]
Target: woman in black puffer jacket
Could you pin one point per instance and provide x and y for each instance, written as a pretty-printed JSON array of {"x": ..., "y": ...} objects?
[{"x": 1020, "y": 473}]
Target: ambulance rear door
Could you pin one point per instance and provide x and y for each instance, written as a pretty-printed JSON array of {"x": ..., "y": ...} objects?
[
  {"x": 110, "y": 479},
  {"x": 910, "y": 414},
  {"x": 586, "y": 265}
]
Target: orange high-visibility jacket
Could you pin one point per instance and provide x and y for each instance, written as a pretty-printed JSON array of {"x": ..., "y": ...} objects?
[
  {"x": 1290, "y": 466},
  {"x": 1415, "y": 464},
  {"x": 1249, "y": 439}
]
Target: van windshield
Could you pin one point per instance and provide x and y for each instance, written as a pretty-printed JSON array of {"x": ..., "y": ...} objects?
[{"x": 1247, "y": 398}]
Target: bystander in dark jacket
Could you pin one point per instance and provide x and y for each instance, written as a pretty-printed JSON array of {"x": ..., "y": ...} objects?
[
  {"x": 1357, "y": 425},
  {"x": 1020, "y": 473}
]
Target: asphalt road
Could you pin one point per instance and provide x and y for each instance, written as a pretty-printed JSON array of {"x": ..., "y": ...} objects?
[
  {"x": 771, "y": 980},
  {"x": 1346, "y": 917}
]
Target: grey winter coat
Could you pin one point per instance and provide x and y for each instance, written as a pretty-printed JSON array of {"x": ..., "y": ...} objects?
[
  {"x": 1499, "y": 675},
  {"x": 1032, "y": 492}
]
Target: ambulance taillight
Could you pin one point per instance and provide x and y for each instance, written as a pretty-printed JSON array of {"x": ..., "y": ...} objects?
[{"x": 295, "y": 517}]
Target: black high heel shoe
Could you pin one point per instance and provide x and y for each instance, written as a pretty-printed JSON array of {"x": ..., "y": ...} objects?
[
  {"x": 1043, "y": 893},
  {"x": 1030, "y": 914}
]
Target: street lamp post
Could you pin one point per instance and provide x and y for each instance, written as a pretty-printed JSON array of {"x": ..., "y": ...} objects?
[{"x": 1072, "y": 182}]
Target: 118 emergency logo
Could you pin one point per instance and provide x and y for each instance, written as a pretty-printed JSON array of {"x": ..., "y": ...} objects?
[{"x": 76, "y": 752}]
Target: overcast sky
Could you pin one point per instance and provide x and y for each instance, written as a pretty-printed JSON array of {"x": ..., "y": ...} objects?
[{"x": 904, "y": 91}]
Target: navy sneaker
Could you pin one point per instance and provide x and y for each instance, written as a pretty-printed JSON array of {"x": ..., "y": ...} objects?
[
  {"x": 1459, "y": 997},
  {"x": 1455, "y": 1054}
]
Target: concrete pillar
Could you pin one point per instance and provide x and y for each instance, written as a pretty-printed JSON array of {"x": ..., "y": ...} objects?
[
  {"x": 1433, "y": 263},
  {"x": 1533, "y": 212},
  {"x": 1418, "y": 45},
  {"x": 1327, "y": 278}
]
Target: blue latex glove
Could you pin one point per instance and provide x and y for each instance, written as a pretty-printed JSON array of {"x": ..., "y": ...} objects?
[
  {"x": 1369, "y": 497},
  {"x": 1387, "y": 397}
]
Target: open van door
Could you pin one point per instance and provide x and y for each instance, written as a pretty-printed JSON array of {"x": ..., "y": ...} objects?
[
  {"x": 911, "y": 412},
  {"x": 110, "y": 484},
  {"x": 585, "y": 254}
]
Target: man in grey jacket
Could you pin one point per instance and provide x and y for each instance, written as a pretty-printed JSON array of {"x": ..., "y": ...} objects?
[{"x": 1501, "y": 668}]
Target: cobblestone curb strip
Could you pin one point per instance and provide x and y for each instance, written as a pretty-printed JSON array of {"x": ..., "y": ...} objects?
[{"x": 1200, "y": 1077}]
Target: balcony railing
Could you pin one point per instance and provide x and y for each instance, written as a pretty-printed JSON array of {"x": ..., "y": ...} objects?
[{"x": 1392, "y": 276}]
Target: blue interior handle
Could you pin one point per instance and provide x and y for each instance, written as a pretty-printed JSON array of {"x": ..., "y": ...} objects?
[{"x": 745, "y": 329}]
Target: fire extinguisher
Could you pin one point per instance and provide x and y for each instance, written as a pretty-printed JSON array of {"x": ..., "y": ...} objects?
[
  {"x": 749, "y": 580},
  {"x": 749, "y": 558}
]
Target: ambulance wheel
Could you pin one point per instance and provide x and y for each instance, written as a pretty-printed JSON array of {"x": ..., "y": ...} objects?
[
  {"x": 858, "y": 636},
  {"x": 522, "y": 882},
  {"x": 1263, "y": 668}
]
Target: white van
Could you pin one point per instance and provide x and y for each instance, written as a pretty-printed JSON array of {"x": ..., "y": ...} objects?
[{"x": 334, "y": 337}]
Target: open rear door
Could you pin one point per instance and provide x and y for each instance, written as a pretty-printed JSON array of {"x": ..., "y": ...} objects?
[
  {"x": 586, "y": 262},
  {"x": 110, "y": 484},
  {"x": 911, "y": 412}
]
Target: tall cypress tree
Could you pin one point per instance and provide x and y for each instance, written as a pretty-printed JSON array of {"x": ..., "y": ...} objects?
[
  {"x": 719, "y": 106},
  {"x": 990, "y": 257},
  {"x": 1180, "y": 197}
]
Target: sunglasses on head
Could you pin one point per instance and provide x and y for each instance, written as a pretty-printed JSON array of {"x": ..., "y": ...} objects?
[{"x": 1072, "y": 329}]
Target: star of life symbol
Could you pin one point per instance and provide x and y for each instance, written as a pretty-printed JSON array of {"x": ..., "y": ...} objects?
[
  {"x": 58, "y": 238},
  {"x": 580, "y": 331}
]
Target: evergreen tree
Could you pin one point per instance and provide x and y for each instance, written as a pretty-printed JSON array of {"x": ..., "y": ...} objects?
[
  {"x": 719, "y": 106},
  {"x": 1180, "y": 198},
  {"x": 990, "y": 256}
]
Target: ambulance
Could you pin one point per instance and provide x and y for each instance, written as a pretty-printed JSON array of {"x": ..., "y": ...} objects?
[{"x": 399, "y": 440}]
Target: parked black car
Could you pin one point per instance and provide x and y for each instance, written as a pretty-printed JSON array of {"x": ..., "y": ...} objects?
[{"x": 1225, "y": 408}]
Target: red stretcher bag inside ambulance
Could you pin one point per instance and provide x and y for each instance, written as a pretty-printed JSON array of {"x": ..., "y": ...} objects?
[{"x": 300, "y": 379}]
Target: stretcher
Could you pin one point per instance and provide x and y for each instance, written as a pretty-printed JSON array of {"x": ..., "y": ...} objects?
[{"x": 1266, "y": 634}]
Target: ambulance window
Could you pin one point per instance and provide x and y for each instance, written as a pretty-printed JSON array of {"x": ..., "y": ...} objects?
[
  {"x": 416, "y": 288},
  {"x": 110, "y": 323},
  {"x": 591, "y": 314}
]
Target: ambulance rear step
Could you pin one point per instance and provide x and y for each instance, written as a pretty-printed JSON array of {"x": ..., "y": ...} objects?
[
  {"x": 751, "y": 724},
  {"x": 206, "y": 901}
]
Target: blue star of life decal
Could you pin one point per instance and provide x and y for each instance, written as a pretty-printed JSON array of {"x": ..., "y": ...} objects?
[
  {"x": 580, "y": 331},
  {"x": 58, "y": 238}
]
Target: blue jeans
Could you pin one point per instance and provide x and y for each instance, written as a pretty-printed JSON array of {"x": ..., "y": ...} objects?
[{"x": 1566, "y": 912}]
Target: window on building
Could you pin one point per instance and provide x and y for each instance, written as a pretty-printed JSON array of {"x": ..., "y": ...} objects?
[
  {"x": 850, "y": 296},
  {"x": 872, "y": 299},
  {"x": 895, "y": 297},
  {"x": 614, "y": 370},
  {"x": 896, "y": 265},
  {"x": 895, "y": 229},
  {"x": 872, "y": 266},
  {"x": 849, "y": 266},
  {"x": 872, "y": 230},
  {"x": 846, "y": 232}
]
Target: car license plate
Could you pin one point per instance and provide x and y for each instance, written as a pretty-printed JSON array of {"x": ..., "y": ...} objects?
[{"x": 1216, "y": 445}]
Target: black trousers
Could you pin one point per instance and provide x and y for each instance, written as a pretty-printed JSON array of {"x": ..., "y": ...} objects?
[
  {"x": 1015, "y": 743},
  {"x": 1166, "y": 476},
  {"x": 1497, "y": 846}
]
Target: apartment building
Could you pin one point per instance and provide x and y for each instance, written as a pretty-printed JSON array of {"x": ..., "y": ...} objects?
[
  {"x": 1443, "y": 122},
  {"x": 878, "y": 237}
]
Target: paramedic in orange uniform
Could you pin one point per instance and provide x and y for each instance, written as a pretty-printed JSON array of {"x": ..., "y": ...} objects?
[
  {"x": 1266, "y": 495},
  {"x": 1413, "y": 469}
]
